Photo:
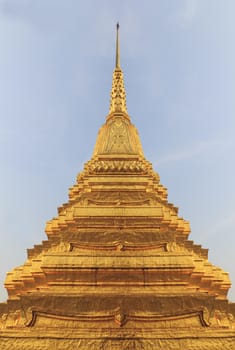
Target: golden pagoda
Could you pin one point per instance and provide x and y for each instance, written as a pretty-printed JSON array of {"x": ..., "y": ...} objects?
[{"x": 117, "y": 270}]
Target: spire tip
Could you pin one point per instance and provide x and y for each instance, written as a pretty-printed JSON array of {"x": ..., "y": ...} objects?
[
  {"x": 117, "y": 49},
  {"x": 118, "y": 94}
]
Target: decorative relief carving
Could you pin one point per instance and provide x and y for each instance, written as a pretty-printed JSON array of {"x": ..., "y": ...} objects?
[
  {"x": 222, "y": 319},
  {"x": 3, "y": 320},
  {"x": 171, "y": 246},
  {"x": 182, "y": 318},
  {"x": 120, "y": 318},
  {"x": 118, "y": 234},
  {"x": 17, "y": 317},
  {"x": 114, "y": 198},
  {"x": 128, "y": 166},
  {"x": 118, "y": 245},
  {"x": 118, "y": 94},
  {"x": 13, "y": 319},
  {"x": 55, "y": 319},
  {"x": 118, "y": 140},
  {"x": 87, "y": 201}
]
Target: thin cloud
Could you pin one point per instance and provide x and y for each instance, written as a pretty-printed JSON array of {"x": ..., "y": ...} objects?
[
  {"x": 189, "y": 11},
  {"x": 180, "y": 155},
  {"x": 14, "y": 8},
  {"x": 186, "y": 14},
  {"x": 226, "y": 224}
]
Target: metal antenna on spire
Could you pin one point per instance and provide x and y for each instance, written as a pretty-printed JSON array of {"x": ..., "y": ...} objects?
[{"x": 117, "y": 49}]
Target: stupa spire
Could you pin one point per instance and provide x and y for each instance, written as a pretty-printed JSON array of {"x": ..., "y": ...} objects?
[
  {"x": 118, "y": 93},
  {"x": 117, "y": 270},
  {"x": 117, "y": 48}
]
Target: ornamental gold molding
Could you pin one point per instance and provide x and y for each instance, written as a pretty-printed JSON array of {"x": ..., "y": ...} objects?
[
  {"x": 184, "y": 318},
  {"x": 118, "y": 246}
]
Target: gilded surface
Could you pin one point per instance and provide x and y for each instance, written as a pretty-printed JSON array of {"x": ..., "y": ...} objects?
[
  {"x": 117, "y": 270},
  {"x": 118, "y": 94},
  {"x": 123, "y": 344}
]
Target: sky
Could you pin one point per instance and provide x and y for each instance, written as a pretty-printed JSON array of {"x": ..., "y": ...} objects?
[{"x": 56, "y": 63}]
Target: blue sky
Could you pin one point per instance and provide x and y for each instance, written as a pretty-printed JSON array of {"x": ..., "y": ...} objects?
[{"x": 56, "y": 63}]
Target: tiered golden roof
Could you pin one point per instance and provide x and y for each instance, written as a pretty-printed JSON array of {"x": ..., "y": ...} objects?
[{"x": 117, "y": 270}]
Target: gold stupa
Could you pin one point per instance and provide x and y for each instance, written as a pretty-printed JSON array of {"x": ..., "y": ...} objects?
[{"x": 117, "y": 271}]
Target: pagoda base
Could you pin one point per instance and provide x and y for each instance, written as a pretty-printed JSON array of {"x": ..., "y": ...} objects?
[
  {"x": 118, "y": 339},
  {"x": 152, "y": 322}
]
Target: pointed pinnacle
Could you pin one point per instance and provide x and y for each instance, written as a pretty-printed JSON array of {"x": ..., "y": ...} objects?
[
  {"x": 117, "y": 49},
  {"x": 118, "y": 94}
]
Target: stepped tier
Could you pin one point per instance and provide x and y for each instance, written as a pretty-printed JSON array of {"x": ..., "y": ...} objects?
[{"x": 118, "y": 229}]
